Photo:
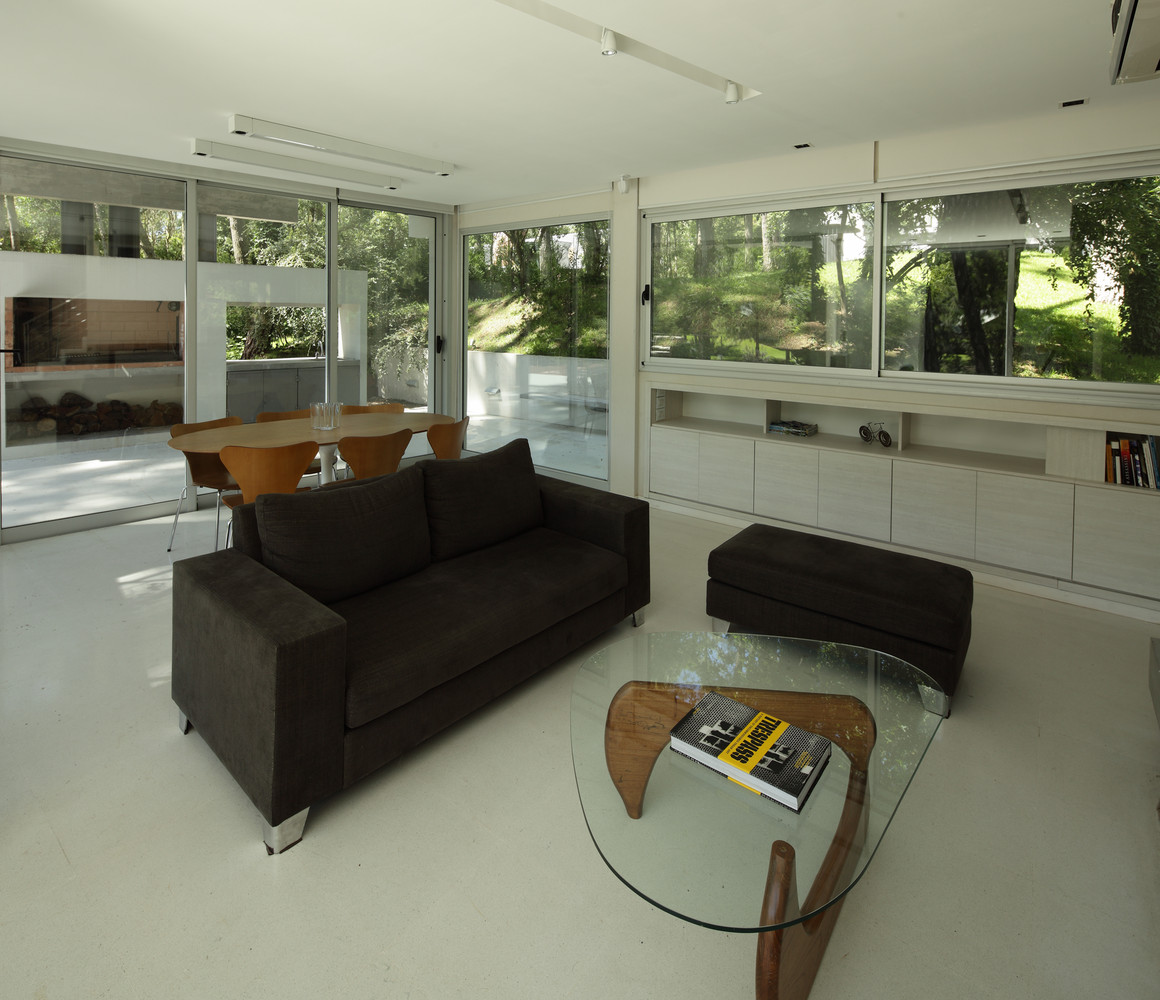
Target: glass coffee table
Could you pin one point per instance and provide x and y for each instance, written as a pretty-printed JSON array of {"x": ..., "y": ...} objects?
[{"x": 711, "y": 852}]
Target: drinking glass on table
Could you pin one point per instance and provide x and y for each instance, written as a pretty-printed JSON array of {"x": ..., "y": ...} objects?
[{"x": 324, "y": 416}]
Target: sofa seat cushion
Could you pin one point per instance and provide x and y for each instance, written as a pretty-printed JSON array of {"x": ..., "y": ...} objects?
[
  {"x": 425, "y": 629},
  {"x": 337, "y": 542},
  {"x": 892, "y": 592},
  {"x": 479, "y": 501}
]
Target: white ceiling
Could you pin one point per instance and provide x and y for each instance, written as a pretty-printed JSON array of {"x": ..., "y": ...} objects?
[{"x": 525, "y": 108}]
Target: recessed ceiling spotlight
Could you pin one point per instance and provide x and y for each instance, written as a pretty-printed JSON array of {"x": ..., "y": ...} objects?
[
  {"x": 608, "y": 43},
  {"x": 1073, "y": 104},
  {"x": 802, "y": 145}
]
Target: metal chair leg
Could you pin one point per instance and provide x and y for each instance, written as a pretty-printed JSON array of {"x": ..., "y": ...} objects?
[{"x": 173, "y": 530}]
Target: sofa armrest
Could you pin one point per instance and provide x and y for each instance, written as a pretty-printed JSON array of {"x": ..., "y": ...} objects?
[
  {"x": 610, "y": 520},
  {"x": 259, "y": 668}
]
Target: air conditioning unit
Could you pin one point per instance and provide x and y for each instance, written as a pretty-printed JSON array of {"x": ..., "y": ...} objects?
[{"x": 1135, "y": 40}]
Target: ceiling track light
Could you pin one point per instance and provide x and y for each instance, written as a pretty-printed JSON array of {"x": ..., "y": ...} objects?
[
  {"x": 302, "y": 138},
  {"x": 293, "y": 164},
  {"x": 612, "y": 43},
  {"x": 732, "y": 94}
]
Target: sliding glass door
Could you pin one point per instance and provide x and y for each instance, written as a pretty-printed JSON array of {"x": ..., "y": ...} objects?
[
  {"x": 92, "y": 278},
  {"x": 537, "y": 343},
  {"x": 387, "y": 310}
]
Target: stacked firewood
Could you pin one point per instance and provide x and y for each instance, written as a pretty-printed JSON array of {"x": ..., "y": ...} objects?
[{"x": 75, "y": 414}]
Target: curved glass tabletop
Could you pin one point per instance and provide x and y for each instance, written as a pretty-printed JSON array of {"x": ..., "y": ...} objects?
[{"x": 703, "y": 847}]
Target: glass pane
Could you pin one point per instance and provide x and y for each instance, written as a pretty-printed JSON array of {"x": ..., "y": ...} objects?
[
  {"x": 262, "y": 304},
  {"x": 787, "y": 288},
  {"x": 1058, "y": 281},
  {"x": 537, "y": 338},
  {"x": 93, "y": 282},
  {"x": 386, "y": 261}
]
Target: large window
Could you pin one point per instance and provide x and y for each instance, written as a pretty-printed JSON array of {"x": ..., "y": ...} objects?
[
  {"x": 537, "y": 338},
  {"x": 785, "y": 288},
  {"x": 1052, "y": 282},
  {"x": 92, "y": 277}
]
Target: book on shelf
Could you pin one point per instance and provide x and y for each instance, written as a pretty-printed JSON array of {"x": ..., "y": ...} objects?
[
  {"x": 754, "y": 749},
  {"x": 1131, "y": 460},
  {"x": 797, "y": 428}
]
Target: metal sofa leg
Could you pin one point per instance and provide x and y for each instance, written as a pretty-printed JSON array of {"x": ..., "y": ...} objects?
[
  {"x": 183, "y": 722},
  {"x": 286, "y": 834}
]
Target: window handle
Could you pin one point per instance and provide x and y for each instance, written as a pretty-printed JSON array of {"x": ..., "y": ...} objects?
[{"x": 645, "y": 295}]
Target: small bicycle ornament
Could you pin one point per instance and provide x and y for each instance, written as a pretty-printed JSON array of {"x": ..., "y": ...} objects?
[{"x": 873, "y": 429}]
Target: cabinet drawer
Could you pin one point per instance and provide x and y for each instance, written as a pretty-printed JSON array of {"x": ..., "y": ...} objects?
[
  {"x": 673, "y": 463},
  {"x": 1117, "y": 539},
  {"x": 1024, "y": 523},
  {"x": 854, "y": 494},
  {"x": 785, "y": 482},
  {"x": 934, "y": 508},
  {"x": 725, "y": 469}
]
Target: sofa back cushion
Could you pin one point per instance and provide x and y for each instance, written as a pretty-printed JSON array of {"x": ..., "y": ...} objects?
[
  {"x": 479, "y": 501},
  {"x": 336, "y": 543}
]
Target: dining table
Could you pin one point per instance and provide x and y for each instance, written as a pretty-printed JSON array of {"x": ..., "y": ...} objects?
[{"x": 276, "y": 433}]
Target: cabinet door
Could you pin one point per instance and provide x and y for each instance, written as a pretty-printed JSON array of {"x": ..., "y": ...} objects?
[
  {"x": 1117, "y": 539},
  {"x": 673, "y": 463},
  {"x": 1024, "y": 523},
  {"x": 934, "y": 508},
  {"x": 726, "y": 472},
  {"x": 785, "y": 482},
  {"x": 854, "y": 494}
]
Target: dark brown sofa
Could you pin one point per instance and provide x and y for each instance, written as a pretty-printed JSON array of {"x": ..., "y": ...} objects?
[{"x": 349, "y": 624}]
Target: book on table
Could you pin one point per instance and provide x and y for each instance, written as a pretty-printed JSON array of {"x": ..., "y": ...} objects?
[{"x": 754, "y": 749}]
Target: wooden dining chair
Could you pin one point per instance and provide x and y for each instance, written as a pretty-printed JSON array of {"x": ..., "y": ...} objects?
[
  {"x": 267, "y": 470},
  {"x": 267, "y": 415},
  {"x": 205, "y": 471},
  {"x": 376, "y": 455},
  {"x": 446, "y": 440},
  {"x": 373, "y": 408}
]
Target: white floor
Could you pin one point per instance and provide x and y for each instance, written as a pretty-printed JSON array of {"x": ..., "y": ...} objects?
[{"x": 1024, "y": 862}]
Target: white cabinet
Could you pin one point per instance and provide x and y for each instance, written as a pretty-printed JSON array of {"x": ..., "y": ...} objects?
[
  {"x": 714, "y": 469},
  {"x": 725, "y": 474},
  {"x": 1015, "y": 491},
  {"x": 785, "y": 481},
  {"x": 854, "y": 494},
  {"x": 1117, "y": 539},
  {"x": 673, "y": 463},
  {"x": 1024, "y": 523},
  {"x": 933, "y": 507}
]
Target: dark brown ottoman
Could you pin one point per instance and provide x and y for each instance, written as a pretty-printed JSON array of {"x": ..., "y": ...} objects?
[{"x": 781, "y": 582}]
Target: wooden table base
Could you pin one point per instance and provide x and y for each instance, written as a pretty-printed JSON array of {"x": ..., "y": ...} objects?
[{"x": 637, "y": 729}]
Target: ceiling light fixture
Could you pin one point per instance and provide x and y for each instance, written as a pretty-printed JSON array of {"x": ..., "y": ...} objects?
[
  {"x": 294, "y": 164},
  {"x": 625, "y": 45},
  {"x": 731, "y": 94},
  {"x": 258, "y": 128}
]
